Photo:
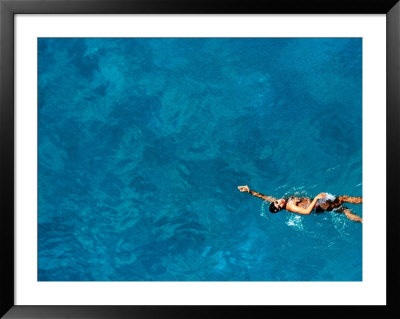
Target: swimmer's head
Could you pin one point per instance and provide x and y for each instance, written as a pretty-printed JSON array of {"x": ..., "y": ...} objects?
[{"x": 277, "y": 205}]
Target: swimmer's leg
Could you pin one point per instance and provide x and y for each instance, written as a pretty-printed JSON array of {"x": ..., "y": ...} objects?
[
  {"x": 349, "y": 199},
  {"x": 349, "y": 214}
]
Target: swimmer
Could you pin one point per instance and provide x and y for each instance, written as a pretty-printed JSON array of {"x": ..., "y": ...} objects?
[{"x": 304, "y": 205}]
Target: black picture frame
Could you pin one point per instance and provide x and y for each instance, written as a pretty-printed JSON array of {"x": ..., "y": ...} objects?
[{"x": 8, "y": 8}]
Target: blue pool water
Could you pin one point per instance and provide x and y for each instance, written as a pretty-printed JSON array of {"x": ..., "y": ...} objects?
[{"x": 143, "y": 142}]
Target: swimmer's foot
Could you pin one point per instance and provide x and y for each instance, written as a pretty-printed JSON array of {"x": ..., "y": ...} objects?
[
  {"x": 244, "y": 188},
  {"x": 351, "y": 200}
]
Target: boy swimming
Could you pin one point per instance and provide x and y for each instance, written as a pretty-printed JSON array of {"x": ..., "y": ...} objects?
[{"x": 304, "y": 205}]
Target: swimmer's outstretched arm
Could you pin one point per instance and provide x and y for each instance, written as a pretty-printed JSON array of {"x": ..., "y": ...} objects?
[{"x": 256, "y": 194}]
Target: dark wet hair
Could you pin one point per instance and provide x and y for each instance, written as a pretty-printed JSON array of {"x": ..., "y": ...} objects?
[{"x": 273, "y": 208}]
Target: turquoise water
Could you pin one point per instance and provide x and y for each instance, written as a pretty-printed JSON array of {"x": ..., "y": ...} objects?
[{"x": 143, "y": 142}]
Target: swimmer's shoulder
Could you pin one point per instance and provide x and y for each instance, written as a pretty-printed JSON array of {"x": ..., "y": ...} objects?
[{"x": 293, "y": 201}]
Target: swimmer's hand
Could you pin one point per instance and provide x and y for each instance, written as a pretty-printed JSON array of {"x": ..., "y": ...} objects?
[
  {"x": 321, "y": 195},
  {"x": 244, "y": 188}
]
